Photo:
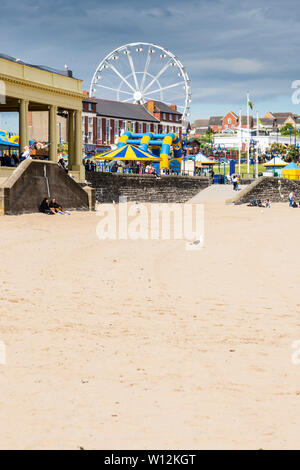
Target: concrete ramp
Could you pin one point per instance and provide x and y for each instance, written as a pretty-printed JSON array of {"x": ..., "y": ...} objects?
[
  {"x": 214, "y": 193},
  {"x": 33, "y": 180}
]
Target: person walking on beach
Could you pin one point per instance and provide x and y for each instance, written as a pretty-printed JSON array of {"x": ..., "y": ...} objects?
[
  {"x": 234, "y": 182},
  {"x": 291, "y": 199}
]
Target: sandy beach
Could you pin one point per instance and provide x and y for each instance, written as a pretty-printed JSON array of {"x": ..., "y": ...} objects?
[{"x": 145, "y": 345}]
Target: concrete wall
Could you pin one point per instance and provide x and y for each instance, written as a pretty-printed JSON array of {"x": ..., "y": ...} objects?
[
  {"x": 275, "y": 189},
  {"x": 38, "y": 128},
  {"x": 145, "y": 188},
  {"x": 24, "y": 190}
]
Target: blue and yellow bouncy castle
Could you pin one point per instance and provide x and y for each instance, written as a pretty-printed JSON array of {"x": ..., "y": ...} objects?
[{"x": 166, "y": 146}]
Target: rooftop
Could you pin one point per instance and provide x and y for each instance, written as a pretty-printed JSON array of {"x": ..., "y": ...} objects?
[
  {"x": 200, "y": 123},
  {"x": 215, "y": 120},
  {"x": 118, "y": 109},
  {"x": 164, "y": 108},
  {"x": 66, "y": 72}
]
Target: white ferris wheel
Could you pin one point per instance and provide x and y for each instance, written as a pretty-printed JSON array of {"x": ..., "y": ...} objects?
[{"x": 139, "y": 72}]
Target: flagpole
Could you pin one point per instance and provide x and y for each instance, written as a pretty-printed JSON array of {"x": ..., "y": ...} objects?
[
  {"x": 257, "y": 133},
  {"x": 240, "y": 146},
  {"x": 248, "y": 139}
]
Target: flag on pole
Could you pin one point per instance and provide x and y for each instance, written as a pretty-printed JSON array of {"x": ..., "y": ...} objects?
[{"x": 250, "y": 104}]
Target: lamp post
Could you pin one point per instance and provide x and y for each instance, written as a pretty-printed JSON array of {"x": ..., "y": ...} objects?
[
  {"x": 59, "y": 131},
  {"x": 209, "y": 140},
  {"x": 252, "y": 143},
  {"x": 295, "y": 153}
]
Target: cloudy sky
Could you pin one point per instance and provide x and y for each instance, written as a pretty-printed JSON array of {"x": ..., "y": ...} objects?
[{"x": 227, "y": 47}]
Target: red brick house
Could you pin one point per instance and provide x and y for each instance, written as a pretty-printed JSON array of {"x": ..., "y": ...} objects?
[
  {"x": 229, "y": 121},
  {"x": 168, "y": 115},
  {"x": 104, "y": 120}
]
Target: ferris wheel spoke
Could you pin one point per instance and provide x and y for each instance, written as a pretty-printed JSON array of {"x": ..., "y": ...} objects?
[
  {"x": 146, "y": 68},
  {"x": 122, "y": 78},
  {"x": 157, "y": 76},
  {"x": 165, "y": 88},
  {"x": 138, "y": 85},
  {"x": 113, "y": 89},
  {"x": 133, "y": 71}
]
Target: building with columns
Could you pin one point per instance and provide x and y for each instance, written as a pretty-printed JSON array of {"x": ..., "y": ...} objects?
[{"x": 26, "y": 88}]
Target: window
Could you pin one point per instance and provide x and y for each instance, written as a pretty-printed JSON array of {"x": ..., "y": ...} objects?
[
  {"x": 171, "y": 117},
  {"x": 90, "y": 136},
  {"x": 229, "y": 120},
  {"x": 107, "y": 131},
  {"x": 99, "y": 128},
  {"x": 116, "y": 129},
  {"x": 90, "y": 107},
  {"x": 90, "y": 121},
  {"x": 164, "y": 116},
  {"x": 177, "y": 118}
]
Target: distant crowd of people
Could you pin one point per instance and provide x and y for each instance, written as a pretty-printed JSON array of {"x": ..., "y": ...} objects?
[
  {"x": 89, "y": 165},
  {"x": 9, "y": 160}
]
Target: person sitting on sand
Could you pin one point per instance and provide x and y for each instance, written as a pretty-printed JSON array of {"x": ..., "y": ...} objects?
[
  {"x": 256, "y": 203},
  {"x": 268, "y": 203},
  {"x": 57, "y": 208},
  {"x": 45, "y": 207}
]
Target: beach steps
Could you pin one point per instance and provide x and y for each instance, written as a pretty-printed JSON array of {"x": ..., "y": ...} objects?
[
  {"x": 267, "y": 187},
  {"x": 23, "y": 190}
]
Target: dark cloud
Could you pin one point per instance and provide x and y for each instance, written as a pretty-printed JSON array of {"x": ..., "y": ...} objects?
[{"x": 227, "y": 47}]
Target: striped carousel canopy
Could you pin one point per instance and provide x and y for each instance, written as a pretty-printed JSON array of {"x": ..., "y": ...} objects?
[{"x": 128, "y": 152}]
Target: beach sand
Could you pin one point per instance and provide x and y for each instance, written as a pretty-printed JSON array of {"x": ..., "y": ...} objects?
[{"x": 145, "y": 345}]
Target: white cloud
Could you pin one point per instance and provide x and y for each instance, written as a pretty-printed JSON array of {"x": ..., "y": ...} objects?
[{"x": 238, "y": 66}]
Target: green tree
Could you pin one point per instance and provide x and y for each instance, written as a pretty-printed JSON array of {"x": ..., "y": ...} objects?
[
  {"x": 290, "y": 157},
  {"x": 287, "y": 129},
  {"x": 278, "y": 147}
]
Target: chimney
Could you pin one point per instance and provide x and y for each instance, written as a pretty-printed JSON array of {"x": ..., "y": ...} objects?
[
  {"x": 86, "y": 93},
  {"x": 150, "y": 106},
  {"x": 173, "y": 106}
]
